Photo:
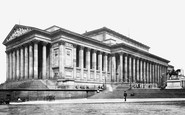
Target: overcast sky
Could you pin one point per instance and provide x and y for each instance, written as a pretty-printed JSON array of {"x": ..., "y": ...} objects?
[{"x": 159, "y": 24}]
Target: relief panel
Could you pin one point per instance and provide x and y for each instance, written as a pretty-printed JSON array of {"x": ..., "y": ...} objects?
[
  {"x": 68, "y": 57},
  {"x": 55, "y": 57}
]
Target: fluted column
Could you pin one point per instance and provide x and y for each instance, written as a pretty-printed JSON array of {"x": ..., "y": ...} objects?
[
  {"x": 110, "y": 67},
  {"x": 113, "y": 67},
  {"x": 100, "y": 65},
  {"x": 144, "y": 71},
  {"x": 10, "y": 56},
  {"x": 159, "y": 74},
  {"x": 94, "y": 63},
  {"x": 44, "y": 61},
  {"x": 18, "y": 69},
  {"x": 22, "y": 63},
  {"x": 126, "y": 69},
  {"x": 51, "y": 62},
  {"x": 88, "y": 63},
  {"x": 150, "y": 72},
  {"x": 105, "y": 66},
  {"x": 121, "y": 67},
  {"x": 141, "y": 70},
  {"x": 30, "y": 61},
  {"x": 14, "y": 67},
  {"x": 134, "y": 69},
  {"x": 7, "y": 66},
  {"x": 26, "y": 62},
  {"x": 153, "y": 72},
  {"x": 36, "y": 60},
  {"x": 130, "y": 69},
  {"x": 81, "y": 61},
  {"x": 137, "y": 70}
]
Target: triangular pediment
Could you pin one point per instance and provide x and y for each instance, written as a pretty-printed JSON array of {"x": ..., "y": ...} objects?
[{"x": 17, "y": 30}]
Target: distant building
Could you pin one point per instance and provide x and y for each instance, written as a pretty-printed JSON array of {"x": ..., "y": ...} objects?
[{"x": 95, "y": 57}]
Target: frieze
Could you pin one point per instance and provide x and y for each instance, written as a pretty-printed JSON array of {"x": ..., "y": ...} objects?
[
  {"x": 68, "y": 44},
  {"x": 18, "y": 32}
]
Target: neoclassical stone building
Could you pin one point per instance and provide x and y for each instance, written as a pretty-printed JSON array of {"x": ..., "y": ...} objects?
[{"x": 95, "y": 57}]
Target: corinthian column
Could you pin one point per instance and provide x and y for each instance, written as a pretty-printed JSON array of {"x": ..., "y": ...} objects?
[
  {"x": 130, "y": 69},
  {"x": 22, "y": 63},
  {"x": 141, "y": 70},
  {"x": 137, "y": 69},
  {"x": 14, "y": 66},
  {"x": 100, "y": 65},
  {"x": 88, "y": 63},
  {"x": 105, "y": 66},
  {"x": 18, "y": 69},
  {"x": 35, "y": 60},
  {"x": 82, "y": 61},
  {"x": 7, "y": 66},
  {"x": 30, "y": 61},
  {"x": 121, "y": 67},
  {"x": 26, "y": 62},
  {"x": 94, "y": 63},
  {"x": 44, "y": 61},
  {"x": 144, "y": 71},
  {"x": 10, "y": 56},
  {"x": 134, "y": 69},
  {"x": 126, "y": 69},
  {"x": 114, "y": 67}
]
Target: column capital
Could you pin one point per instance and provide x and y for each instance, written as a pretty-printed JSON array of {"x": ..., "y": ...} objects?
[
  {"x": 35, "y": 41},
  {"x": 100, "y": 52},
  {"x": 88, "y": 49},
  {"x": 94, "y": 50},
  {"x": 82, "y": 47},
  {"x": 44, "y": 43},
  {"x": 105, "y": 54},
  {"x": 61, "y": 42}
]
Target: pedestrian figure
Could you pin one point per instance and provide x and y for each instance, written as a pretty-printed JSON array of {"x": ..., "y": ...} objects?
[{"x": 125, "y": 95}]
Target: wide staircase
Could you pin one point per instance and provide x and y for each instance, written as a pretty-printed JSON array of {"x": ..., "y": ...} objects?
[{"x": 118, "y": 90}]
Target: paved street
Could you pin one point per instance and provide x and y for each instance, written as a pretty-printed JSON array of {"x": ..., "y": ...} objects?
[{"x": 99, "y": 101}]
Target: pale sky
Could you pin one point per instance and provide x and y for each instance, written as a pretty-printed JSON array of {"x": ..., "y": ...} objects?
[{"x": 159, "y": 24}]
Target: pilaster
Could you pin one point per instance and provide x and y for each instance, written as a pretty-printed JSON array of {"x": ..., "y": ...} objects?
[
  {"x": 74, "y": 60},
  {"x": 61, "y": 60}
]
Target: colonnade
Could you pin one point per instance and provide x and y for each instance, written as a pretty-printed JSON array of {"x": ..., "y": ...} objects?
[
  {"x": 122, "y": 67},
  {"x": 23, "y": 61}
]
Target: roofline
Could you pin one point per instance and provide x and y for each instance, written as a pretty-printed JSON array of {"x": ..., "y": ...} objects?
[
  {"x": 115, "y": 33},
  {"x": 140, "y": 51}
]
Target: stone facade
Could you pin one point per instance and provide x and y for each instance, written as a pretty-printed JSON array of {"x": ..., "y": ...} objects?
[{"x": 99, "y": 56}]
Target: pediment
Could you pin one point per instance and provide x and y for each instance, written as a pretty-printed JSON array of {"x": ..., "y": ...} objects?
[{"x": 17, "y": 30}]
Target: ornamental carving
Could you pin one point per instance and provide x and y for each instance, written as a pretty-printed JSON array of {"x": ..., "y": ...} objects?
[{"x": 18, "y": 32}]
